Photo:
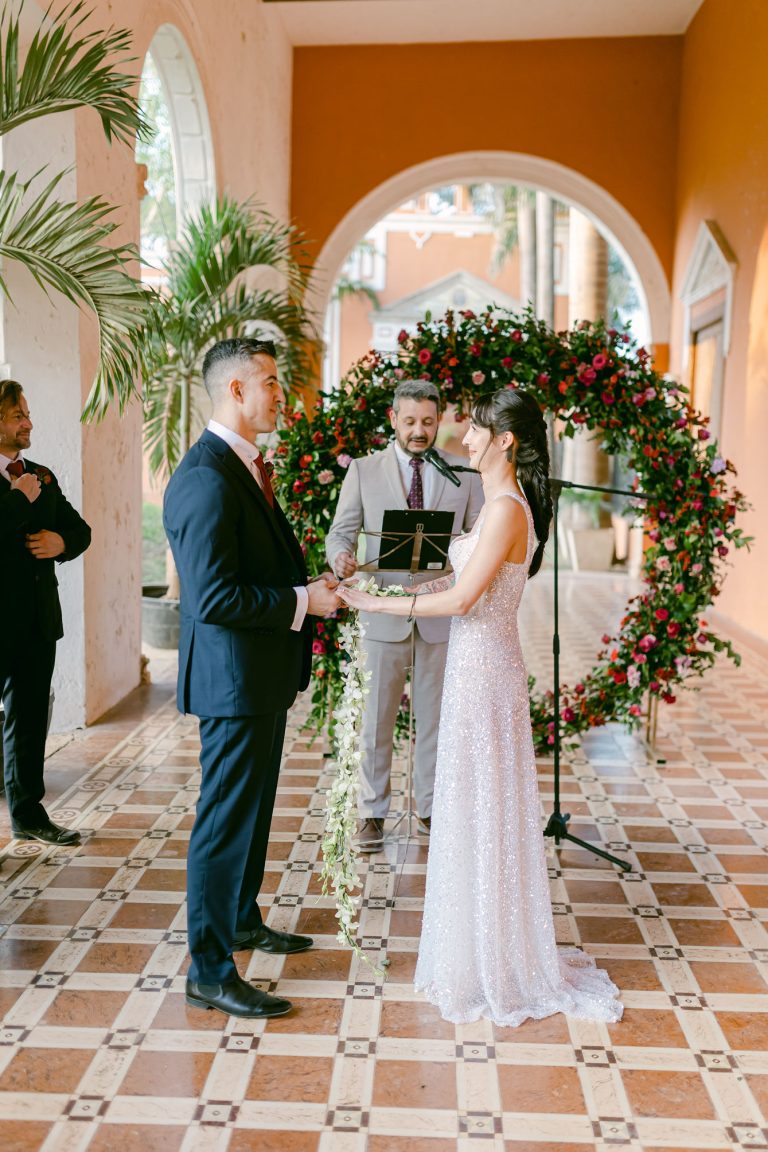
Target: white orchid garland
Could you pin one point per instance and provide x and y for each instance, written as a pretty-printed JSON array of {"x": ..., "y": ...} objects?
[{"x": 339, "y": 872}]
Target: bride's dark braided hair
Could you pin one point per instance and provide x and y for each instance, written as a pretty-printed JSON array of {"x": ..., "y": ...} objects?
[{"x": 515, "y": 411}]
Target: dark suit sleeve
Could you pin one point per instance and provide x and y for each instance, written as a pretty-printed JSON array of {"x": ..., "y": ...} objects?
[
  {"x": 201, "y": 521},
  {"x": 70, "y": 525},
  {"x": 14, "y": 512}
]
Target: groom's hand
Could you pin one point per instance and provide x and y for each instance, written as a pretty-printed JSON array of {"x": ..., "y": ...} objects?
[{"x": 323, "y": 599}]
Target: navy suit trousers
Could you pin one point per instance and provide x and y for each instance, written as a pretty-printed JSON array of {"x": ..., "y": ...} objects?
[
  {"x": 240, "y": 760},
  {"x": 26, "y": 671}
]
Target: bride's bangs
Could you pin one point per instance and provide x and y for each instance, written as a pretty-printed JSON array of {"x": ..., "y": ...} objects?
[{"x": 482, "y": 413}]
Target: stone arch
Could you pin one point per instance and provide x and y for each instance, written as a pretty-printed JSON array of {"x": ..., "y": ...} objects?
[
  {"x": 606, "y": 213},
  {"x": 190, "y": 127}
]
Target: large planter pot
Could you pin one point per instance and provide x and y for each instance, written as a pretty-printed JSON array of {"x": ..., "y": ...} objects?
[
  {"x": 591, "y": 549},
  {"x": 159, "y": 617}
]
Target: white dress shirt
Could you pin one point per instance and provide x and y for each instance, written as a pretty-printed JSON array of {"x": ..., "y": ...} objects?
[
  {"x": 428, "y": 474},
  {"x": 4, "y": 462},
  {"x": 249, "y": 453}
]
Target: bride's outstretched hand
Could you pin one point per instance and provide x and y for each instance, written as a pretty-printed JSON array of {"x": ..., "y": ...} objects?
[{"x": 362, "y": 601}]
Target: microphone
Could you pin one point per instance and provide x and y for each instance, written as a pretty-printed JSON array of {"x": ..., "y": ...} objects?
[{"x": 443, "y": 468}]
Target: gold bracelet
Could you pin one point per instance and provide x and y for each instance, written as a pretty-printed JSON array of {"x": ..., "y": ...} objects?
[{"x": 413, "y": 608}]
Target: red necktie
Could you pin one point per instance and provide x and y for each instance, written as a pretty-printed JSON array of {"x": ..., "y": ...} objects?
[
  {"x": 15, "y": 468},
  {"x": 416, "y": 494},
  {"x": 266, "y": 483}
]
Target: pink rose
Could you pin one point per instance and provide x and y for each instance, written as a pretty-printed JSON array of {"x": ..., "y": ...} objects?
[
  {"x": 648, "y": 641},
  {"x": 599, "y": 362},
  {"x": 344, "y": 460},
  {"x": 478, "y": 377},
  {"x": 325, "y": 477}
]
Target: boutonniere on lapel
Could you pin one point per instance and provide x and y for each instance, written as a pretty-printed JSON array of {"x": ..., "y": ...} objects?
[
  {"x": 269, "y": 468},
  {"x": 43, "y": 475}
]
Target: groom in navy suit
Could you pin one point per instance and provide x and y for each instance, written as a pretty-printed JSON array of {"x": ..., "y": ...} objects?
[{"x": 244, "y": 654}]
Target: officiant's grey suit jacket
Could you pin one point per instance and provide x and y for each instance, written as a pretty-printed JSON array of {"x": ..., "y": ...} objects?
[{"x": 373, "y": 485}]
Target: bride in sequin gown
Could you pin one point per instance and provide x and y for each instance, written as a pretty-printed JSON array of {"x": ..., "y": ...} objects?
[{"x": 488, "y": 940}]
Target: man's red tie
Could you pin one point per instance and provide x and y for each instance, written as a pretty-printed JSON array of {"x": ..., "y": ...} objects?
[
  {"x": 416, "y": 494},
  {"x": 15, "y": 468},
  {"x": 266, "y": 483}
]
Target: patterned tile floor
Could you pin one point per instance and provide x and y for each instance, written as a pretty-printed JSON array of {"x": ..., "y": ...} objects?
[{"x": 98, "y": 1051}]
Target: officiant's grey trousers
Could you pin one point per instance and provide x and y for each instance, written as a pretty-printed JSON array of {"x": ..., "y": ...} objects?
[{"x": 388, "y": 661}]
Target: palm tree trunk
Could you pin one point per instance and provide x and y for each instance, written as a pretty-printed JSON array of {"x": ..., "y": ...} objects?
[
  {"x": 583, "y": 462},
  {"x": 545, "y": 258},
  {"x": 526, "y": 233}
]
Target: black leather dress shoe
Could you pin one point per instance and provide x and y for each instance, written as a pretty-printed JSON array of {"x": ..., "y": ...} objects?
[
  {"x": 269, "y": 940},
  {"x": 49, "y": 833},
  {"x": 237, "y": 998}
]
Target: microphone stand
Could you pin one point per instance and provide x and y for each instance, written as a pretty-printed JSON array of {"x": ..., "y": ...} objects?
[{"x": 557, "y": 825}]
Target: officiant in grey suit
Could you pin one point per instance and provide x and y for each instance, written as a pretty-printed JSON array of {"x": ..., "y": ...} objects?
[{"x": 396, "y": 478}]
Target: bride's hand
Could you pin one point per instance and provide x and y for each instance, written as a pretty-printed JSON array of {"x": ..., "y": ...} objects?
[{"x": 363, "y": 601}]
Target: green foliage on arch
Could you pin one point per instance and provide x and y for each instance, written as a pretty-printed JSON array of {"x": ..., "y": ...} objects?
[{"x": 593, "y": 377}]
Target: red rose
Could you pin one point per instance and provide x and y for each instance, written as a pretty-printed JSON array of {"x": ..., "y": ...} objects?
[
  {"x": 661, "y": 614},
  {"x": 306, "y": 460},
  {"x": 298, "y": 486},
  {"x": 475, "y": 349},
  {"x": 402, "y": 336},
  {"x": 507, "y": 362},
  {"x": 517, "y": 336},
  {"x": 673, "y": 628},
  {"x": 317, "y": 437},
  {"x": 425, "y": 356}
]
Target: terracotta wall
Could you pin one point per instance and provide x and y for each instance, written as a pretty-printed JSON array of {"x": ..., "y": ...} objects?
[
  {"x": 606, "y": 108},
  {"x": 723, "y": 175},
  {"x": 244, "y": 61}
]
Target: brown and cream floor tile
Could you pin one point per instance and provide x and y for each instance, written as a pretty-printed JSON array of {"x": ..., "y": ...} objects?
[{"x": 98, "y": 1049}]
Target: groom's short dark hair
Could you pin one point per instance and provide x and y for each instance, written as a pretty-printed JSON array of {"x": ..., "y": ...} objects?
[{"x": 239, "y": 350}]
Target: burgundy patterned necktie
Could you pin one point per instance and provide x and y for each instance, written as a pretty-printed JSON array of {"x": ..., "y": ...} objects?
[
  {"x": 416, "y": 494},
  {"x": 264, "y": 480},
  {"x": 15, "y": 468}
]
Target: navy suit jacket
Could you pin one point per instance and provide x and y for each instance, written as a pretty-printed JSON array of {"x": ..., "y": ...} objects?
[
  {"x": 238, "y": 562},
  {"x": 28, "y": 587}
]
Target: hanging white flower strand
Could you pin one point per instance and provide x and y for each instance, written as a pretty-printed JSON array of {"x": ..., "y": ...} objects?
[{"x": 339, "y": 872}]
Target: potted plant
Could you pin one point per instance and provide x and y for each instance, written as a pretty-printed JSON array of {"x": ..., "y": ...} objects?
[{"x": 235, "y": 271}]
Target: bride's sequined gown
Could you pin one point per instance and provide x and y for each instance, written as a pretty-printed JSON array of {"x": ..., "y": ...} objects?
[{"x": 488, "y": 939}]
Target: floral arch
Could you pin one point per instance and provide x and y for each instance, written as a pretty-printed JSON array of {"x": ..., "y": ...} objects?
[{"x": 594, "y": 377}]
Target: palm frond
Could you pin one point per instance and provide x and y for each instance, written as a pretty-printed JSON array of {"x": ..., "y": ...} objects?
[
  {"x": 66, "y": 67},
  {"x": 205, "y": 300},
  {"x": 225, "y": 238},
  {"x": 62, "y": 246}
]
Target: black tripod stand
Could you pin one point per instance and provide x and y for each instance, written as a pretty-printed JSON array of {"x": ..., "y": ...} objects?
[{"x": 557, "y": 825}]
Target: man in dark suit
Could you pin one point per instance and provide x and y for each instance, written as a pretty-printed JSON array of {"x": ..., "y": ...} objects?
[
  {"x": 37, "y": 527},
  {"x": 244, "y": 654}
]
